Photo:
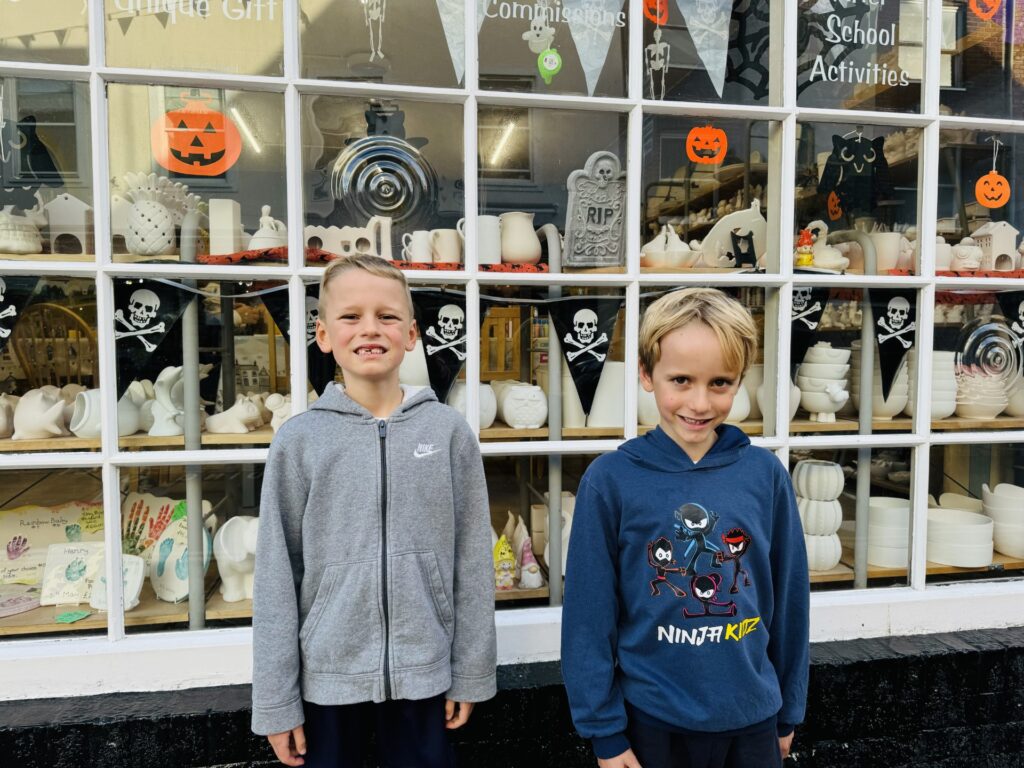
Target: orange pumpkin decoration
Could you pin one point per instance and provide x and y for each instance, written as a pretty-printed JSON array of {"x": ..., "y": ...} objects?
[
  {"x": 656, "y": 11},
  {"x": 195, "y": 140},
  {"x": 706, "y": 145},
  {"x": 835, "y": 210},
  {"x": 992, "y": 190},
  {"x": 984, "y": 9}
]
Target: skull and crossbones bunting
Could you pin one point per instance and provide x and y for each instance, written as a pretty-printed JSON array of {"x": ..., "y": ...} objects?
[
  {"x": 145, "y": 311},
  {"x": 895, "y": 330},
  {"x": 1011, "y": 303},
  {"x": 584, "y": 327},
  {"x": 441, "y": 318},
  {"x": 321, "y": 367},
  {"x": 14, "y": 295},
  {"x": 808, "y": 307}
]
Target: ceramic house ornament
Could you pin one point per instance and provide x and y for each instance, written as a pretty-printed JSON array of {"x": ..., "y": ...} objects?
[
  {"x": 70, "y": 223},
  {"x": 234, "y": 546},
  {"x": 595, "y": 219},
  {"x": 504, "y": 565}
]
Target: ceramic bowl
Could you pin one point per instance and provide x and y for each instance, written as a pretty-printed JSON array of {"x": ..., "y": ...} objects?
[
  {"x": 811, "y": 384},
  {"x": 885, "y": 409},
  {"x": 993, "y": 500},
  {"x": 960, "y": 555},
  {"x": 888, "y": 510},
  {"x": 1010, "y": 491},
  {"x": 820, "y": 402},
  {"x": 1009, "y": 539},
  {"x": 887, "y": 557},
  {"x": 941, "y": 409},
  {"x": 958, "y": 526},
  {"x": 959, "y": 501},
  {"x": 820, "y": 480},
  {"x": 823, "y": 370},
  {"x": 978, "y": 410},
  {"x": 888, "y": 535},
  {"x": 820, "y": 518},
  {"x": 1005, "y": 516},
  {"x": 1015, "y": 403},
  {"x": 823, "y": 352}
]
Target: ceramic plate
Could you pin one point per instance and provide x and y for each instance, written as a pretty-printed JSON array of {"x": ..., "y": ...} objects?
[
  {"x": 133, "y": 573},
  {"x": 18, "y": 598},
  {"x": 168, "y": 563}
]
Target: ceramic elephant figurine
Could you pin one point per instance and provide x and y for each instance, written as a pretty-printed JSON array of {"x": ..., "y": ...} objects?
[{"x": 234, "y": 546}]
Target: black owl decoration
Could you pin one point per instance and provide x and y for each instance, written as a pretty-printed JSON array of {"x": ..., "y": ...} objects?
[{"x": 858, "y": 173}]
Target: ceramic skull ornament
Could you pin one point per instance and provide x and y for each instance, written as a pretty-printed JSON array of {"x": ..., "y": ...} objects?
[
  {"x": 312, "y": 314},
  {"x": 450, "y": 320},
  {"x": 142, "y": 307},
  {"x": 584, "y": 323},
  {"x": 898, "y": 312}
]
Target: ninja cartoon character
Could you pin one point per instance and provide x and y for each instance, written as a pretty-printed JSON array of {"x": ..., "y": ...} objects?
[
  {"x": 738, "y": 543},
  {"x": 695, "y": 526},
  {"x": 659, "y": 557},
  {"x": 704, "y": 588}
]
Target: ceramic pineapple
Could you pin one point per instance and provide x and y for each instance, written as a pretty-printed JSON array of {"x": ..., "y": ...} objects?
[{"x": 158, "y": 205}]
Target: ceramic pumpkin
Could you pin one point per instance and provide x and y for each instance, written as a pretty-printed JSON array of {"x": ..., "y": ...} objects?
[
  {"x": 992, "y": 190},
  {"x": 823, "y": 552},
  {"x": 984, "y": 9},
  {"x": 656, "y": 11},
  {"x": 195, "y": 140},
  {"x": 706, "y": 145}
]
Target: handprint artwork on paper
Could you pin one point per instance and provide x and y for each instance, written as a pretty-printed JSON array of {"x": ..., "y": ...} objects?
[
  {"x": 17, "y": 547},
  {"x": 73, "y": 532},
  {"x": 75, "y": 570}
]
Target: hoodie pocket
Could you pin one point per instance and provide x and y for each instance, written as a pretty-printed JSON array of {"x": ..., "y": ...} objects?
[
  {"x": 342, "y": 632},
  {"x": 422, "y": 620}
]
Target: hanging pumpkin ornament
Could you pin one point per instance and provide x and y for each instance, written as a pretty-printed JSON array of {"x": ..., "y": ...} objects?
[
  {"x": 656, "y": 11},
  {"x": 706, "y": 145},
  {"x": 992, "y": 190},
  {"x": 984, "y": 9},
  {"x": 835, "y": 209},
  {"x": 195, "y": 140}
]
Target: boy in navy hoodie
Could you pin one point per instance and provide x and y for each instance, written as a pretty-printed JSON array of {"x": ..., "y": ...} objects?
[{"x": 685, "y": 624}]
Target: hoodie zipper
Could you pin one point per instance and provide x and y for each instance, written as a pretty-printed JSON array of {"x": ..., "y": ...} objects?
[{"x": 382, "y": 430}]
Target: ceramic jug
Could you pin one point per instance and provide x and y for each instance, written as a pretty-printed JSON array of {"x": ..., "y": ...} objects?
[
  {"x": 488, "y": 240},
  {"x": 519, "y": 242},
  {"x": 446, "y": 245}
]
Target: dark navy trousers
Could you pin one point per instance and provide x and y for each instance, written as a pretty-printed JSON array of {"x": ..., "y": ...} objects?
[
  {"x": 409, "y": 734},
  {"x": 656, "y": 748}
]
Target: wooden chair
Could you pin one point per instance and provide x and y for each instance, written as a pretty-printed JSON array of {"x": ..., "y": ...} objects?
[
  {"x": 499, "y": 344},
  {"x": 56, "y": 346}
]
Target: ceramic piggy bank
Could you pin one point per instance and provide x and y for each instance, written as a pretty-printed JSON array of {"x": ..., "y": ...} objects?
[
  {"x": 242, "y": 417},
  {"x": 234, "y": 547}
]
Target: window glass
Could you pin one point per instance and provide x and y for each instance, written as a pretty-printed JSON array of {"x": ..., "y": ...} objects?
[
  {"x": 715, "y": 52},
  {"x": 536, "y": 186},
  {"x": 243, "y": 362},
  {"x": 860, "y": 55},
  {"x": 55, "y": 32},
  {"x": 825, "y": 482},
  {"x": 45, "y": 170},
  {"x": 233, "y": 36},
  {"x": 384, "y": 41},
  {"x": 383, "y": 177},
  {"x": 570, "y": 47},
  {"x": 198, "y": 175},
  {"x": 705, "y": 199},
  {"x": 976, "y": 523},
  {"x": 856, "y": 198},
  {"x": 52, "y": 572}
]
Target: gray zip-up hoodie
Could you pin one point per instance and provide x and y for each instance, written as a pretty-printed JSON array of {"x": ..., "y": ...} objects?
[{"x": 374, "y": 575}]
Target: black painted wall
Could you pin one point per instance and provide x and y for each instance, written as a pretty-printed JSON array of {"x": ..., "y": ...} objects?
[{"x": 936, "y": 701}]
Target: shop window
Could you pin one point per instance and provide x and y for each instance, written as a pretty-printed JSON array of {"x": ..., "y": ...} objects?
[
  {"x": 911, "y": 56},
  {"x": 505, "y": 144},
  {"x": 198, "y": 175},
  {"x": 57, "y": 33},
  {"x": 383, "y": 177},
  {"x": 52, "y": 569},
  {"x": 241, "y": 37},
  {"x": 852, "y": 56},
  {"x": 45, "y": 170},
  {"x": 705, "y": 187},
  {"x": 856, "y": 189}
]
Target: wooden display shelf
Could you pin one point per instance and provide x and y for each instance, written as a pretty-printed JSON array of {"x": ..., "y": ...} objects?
[
  {"x": 501, "y": 431},
  {"x": 261, "y": 436},
  {"x": 1000, "y": 563},
  {"x": 841, "y": 572},
  {"x": 76, "y": 257},
  {"x": 521, "y": 594}
]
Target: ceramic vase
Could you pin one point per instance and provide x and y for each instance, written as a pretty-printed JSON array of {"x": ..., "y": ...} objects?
[
  {"x": 38, "y": 415},
  {"x": 751, "y": 381},
  {"x": 820, "y": 518},
  {"x": 234, "y": 547},
  {"x": 794, "y": 400},
  {"x": 606, "y": 410},
  {"x": 823, "y": 552},
  {"x": 819, "y": 480},
  {"x": 573, "y": 416},
  {"x": 519, "y": 242},
  {"x": 413, "y": 369},
  {"x": 740, "y": 406},
  {"x": 488, "y": 404}
]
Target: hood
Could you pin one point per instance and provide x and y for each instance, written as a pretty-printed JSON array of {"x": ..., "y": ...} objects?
[
  {"x": 658, "y": 451},
  {"x": 336, "y": 399}
]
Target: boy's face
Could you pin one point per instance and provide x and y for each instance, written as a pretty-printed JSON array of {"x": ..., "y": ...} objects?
[
  {"x": 692, "y": 386},
  {"x": 367, "y": 325}
]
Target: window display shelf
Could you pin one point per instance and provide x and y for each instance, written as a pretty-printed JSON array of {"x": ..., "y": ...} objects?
[
  {"x": 840, "y": 573},
  {"x": 501, "y": 431},
  {"x": 261, "y": 436},
  {"x": 1000, "y": 563},
  {"x": 83, "y": 257},
  {"x": 521, "y": 594}
]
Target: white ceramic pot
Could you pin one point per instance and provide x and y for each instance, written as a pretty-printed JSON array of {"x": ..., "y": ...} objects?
[
  {"x": 519, "y": 242},
  {"x": 958, "y": 526},
  {"x": 888, "y": 510},
  {"x": 819, "y": 480},
  {"x": 960, "y": 555},
  {"x": 794, "y": 400},
  {"x": 740, "y": 406},
  {"x": 523, "y": 407},
  {"x": 888, "y": 535},
  {"x": 573, "y": 416},
  {"x": 823, "y": 552},
  {"x": 887, "y": 250},
  {"x": 888, "y": 557},
  {"x": 487, "y": 406},
  {"x": 824, "y": 352},
  {"x": 1009, "y": 539},
  {"x": 822, "y": 406},
  {"x": 1009, "y": 490},
  {"x": 820, "y": 518},
  {"x": 753, "y": 379},
  {"x": 606, "y": 410},
  {"x": 824, "y": 370},
  {"x": 959, "y": 501}
]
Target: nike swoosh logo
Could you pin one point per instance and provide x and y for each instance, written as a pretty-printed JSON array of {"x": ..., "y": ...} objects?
[{"x": 417, "y": 454}]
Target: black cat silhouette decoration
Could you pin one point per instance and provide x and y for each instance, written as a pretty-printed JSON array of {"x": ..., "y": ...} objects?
[{"x": 857, "y": 172}]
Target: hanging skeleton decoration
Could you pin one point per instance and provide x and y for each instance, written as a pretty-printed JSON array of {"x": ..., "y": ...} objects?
[
  {"x": 894, "y": 324},
  {"x": 141, "y": 311},
  {"x": 373, "y": 13},
  {"x": 312, "y": 315},
  {"x": 584, "y": 336},
  {"x": 656, "y": 63},
  {"x": 451, "y": 321}
]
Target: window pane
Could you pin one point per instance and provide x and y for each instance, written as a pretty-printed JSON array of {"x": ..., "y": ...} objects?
[
  {"x": 198, "y": 175},
  {"x": 234, "y": 36},
  {"x": 54, "y": 32},
  {"x": 52, "y": 574},
  {"x": 383, "y": 177}
]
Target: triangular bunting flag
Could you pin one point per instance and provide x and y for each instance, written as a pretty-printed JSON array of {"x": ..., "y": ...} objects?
[
  {"x": 145, "y": 312},
  {"x": 162, "y": 18},
  {"x": 584, "y": 326},
  {"x": 453, "y": 20},
  {"x": 124, "y": 22},
  {"x": 441, "y": 318},
  {"x": 320, "y": 366},
  {"x": 708, "y": 24},
  {"x": 808, "y": 307},
  {"x": 60, "y": 34},
  {"x": 895, "y": 329},
  {"x": 592, "y": 25}
]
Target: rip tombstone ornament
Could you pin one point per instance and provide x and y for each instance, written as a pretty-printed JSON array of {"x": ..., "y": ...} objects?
[{"x": 595, "y": 224}]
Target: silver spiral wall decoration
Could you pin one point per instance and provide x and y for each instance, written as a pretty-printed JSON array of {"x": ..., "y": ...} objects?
[
  {"x": 987, "y": 347},
  {"x": 385, "y": 176}
]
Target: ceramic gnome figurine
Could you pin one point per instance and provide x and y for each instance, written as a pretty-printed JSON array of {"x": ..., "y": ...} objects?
[
  {"x": 242, "y": 417},
  {"x": 531, "y": 577},
  {"x": 804, "y": 256},
  {"x": 504, "y": 565},
  {"x": 234, "y": 546},
  {"x": 38, "y": 415}
]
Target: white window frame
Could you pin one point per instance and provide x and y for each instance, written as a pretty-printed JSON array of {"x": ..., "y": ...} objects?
[{"x": 70, "y": 665}]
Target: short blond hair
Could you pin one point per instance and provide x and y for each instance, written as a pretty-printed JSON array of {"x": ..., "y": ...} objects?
[
  {"x": 725, "y": 316},
  {"x": 372, "y": 264}
]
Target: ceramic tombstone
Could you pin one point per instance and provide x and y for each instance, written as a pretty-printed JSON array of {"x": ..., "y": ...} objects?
[{"x": 595, "y": 223}]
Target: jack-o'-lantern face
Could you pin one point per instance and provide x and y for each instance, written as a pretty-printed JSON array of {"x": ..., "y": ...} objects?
[
  {"x": 984, "y": 9},
  {"x": 835, "y": 210},
  {"x": 656, "y": 11},
  {"x": 992, "y": 190},
  {"x": 196, "y": 140},
  {"x": 706, "y": 145}
]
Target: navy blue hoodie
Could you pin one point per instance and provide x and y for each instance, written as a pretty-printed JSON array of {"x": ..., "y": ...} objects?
[{"x": 686, "y": 592}]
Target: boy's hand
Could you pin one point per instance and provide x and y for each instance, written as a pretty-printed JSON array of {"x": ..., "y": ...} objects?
[
  {"x": 785, "y": 742},
  {"x": 289, "y": 746},
  {"x": 626, "y": 760},
  {"x": 456, "y": 713}
]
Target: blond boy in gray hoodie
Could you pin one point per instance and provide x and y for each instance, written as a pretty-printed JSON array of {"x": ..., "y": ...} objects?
[{"x": 373, "y": 604}]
